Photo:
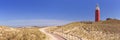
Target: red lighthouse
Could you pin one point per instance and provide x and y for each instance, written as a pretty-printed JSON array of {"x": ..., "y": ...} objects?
[{"x": 97, "y": 13}]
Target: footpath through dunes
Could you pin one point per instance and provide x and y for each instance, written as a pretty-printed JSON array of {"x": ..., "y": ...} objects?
[
  {"x": 103, "y": 30},
  {"x": 51, "y": 36},
  {"x": 8, "y": 33}
]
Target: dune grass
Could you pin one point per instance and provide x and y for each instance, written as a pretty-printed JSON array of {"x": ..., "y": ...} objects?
[
  {"x": 103, "y": 30},
  {"x": 7, "y": 33}
]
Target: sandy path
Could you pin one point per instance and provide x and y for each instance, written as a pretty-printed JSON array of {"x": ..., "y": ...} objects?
[{"x": 51, "y": 35}]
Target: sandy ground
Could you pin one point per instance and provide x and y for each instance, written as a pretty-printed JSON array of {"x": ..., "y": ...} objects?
[{"x": 51, "y": 35}]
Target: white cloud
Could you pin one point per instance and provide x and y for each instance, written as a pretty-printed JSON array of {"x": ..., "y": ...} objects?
[{"x": 38, "y": 22}]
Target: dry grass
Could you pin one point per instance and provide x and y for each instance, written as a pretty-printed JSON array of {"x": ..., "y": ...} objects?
[
  {"x": 104, "y": 30},
  {"x": 7, "y": 33}
]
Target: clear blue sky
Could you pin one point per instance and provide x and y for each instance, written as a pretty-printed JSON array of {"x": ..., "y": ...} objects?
[{"x": 21, "y": 12}]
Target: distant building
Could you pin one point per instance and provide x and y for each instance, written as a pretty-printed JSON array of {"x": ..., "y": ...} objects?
[{"x": 97, "y": 13}]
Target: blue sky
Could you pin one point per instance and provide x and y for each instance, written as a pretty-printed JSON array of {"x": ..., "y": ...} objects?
[{"x": 52, "y": 12}]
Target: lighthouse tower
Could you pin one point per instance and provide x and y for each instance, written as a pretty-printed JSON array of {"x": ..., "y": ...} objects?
[{"x": 97, "y": 13}]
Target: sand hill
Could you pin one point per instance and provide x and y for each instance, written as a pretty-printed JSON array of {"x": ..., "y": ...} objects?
[
  {"x": 8, "y": 33},
  {"x": 103, "y": 30}
]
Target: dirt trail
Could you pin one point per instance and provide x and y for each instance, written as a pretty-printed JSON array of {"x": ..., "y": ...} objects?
[{"x": 51, "y": 35}]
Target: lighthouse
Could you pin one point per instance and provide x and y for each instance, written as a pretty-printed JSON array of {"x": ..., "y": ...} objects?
[{"x": 97, "y": 13}]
